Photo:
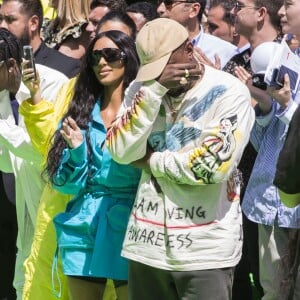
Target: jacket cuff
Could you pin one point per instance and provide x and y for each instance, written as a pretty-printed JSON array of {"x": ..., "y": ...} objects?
[
  {"x": 286, "y": 115},
  {"x": 155, "y": 164},
  {"x": 75, "y": 156},
  {"x": 42, "y": 108},
  {"x": 265, "y": 119},
  {"x": 156, "y": 87}
]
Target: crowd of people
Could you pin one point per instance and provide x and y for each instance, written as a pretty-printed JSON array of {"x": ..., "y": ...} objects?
[{"x": 139, "y": 159}]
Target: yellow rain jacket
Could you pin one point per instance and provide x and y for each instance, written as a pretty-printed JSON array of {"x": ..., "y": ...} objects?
[{"x": 41, "y": 282}]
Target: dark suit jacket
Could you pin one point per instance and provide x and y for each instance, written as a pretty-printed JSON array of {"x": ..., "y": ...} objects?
[{"x": 54, "y": 59}]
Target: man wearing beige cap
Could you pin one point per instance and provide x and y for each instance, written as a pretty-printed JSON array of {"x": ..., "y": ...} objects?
[{"x": 185, "y": 125}]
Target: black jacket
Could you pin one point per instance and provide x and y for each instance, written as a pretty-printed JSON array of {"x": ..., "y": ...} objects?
[{"x": 54, "y": 59}]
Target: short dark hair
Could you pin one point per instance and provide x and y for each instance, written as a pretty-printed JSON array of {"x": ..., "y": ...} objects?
[
  {"x": 272, "y": 8},
  {"x": 202, "y": 9},
  {"x": 10, "y": 46},
  {"x": 121, "y": 17},
  {"x": 227, "y": 6},
  {"x": 30, "y": 8},
  {"x": 118, "y": 5},
  {"x": 147, "y": 9}
]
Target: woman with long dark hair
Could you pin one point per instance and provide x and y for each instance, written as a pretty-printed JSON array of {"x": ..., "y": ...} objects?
[{"x": 91, "y": 230}]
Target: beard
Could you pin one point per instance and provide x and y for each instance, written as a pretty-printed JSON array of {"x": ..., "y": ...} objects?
[
  {"x": 175, "y": 92},
  {"x": 25, "y": 37}
]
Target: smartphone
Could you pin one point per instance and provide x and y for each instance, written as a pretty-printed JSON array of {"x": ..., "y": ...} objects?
[
  {"x": 28, "y": 55},
  {"x": 258, "y": 80},
  {"x": 293, "y": 75}
]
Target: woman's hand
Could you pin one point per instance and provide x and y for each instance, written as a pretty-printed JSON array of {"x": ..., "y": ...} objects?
[
  {"x": 71, "y": 133},
  {"x": 259, "y": 96},
  {"x": 31, "y": 83}
]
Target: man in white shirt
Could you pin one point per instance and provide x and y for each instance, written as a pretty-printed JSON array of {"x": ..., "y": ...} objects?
[
  {"x": 189, "y": 14},
  {"x": 17, "y": 155}
]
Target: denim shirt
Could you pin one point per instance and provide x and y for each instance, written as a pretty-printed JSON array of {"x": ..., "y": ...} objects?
[{"x": 261, "y": 202}]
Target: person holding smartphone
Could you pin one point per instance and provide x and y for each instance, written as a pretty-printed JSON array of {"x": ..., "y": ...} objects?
[
  {"x": 23, "y": 159},
  {"x": 78, "y": 163},
  {"x": 277, "y": 222}
]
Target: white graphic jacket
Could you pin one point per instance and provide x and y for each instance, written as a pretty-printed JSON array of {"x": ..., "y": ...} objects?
[{"x": 186, "y": 214}]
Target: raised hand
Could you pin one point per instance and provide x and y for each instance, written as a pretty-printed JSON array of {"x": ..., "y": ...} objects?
[
  {"x": 71, "y": 133},
  {"x": 259, "y": 96},
  {"x": 243, "y": 75},
  {"x": 173, "y": 74},
  {"x": 32, "y": 84},
  {"x": 283, "y": 95},
  {"x": 202, "y": 58}
]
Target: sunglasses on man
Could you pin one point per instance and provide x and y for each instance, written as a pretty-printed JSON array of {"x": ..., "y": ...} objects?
[{"x": 111, "y": 55}]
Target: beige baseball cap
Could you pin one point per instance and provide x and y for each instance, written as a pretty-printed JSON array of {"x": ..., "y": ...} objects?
[{"x": 155, "y": 43}]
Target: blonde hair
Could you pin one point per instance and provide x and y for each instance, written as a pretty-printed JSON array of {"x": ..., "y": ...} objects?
[{"x": 70, "y": 12}]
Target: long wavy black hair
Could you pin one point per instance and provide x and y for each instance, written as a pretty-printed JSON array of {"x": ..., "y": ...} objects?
[{"x": 87, "y": 90}]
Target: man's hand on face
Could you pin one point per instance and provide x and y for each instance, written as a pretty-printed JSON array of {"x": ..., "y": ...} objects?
[{"x": 173, "y": 74}]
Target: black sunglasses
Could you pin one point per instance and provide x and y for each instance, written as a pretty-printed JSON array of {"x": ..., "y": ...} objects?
[
  {"x": 109, "y": 54},
  {"x": 169, "y": 3}
]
